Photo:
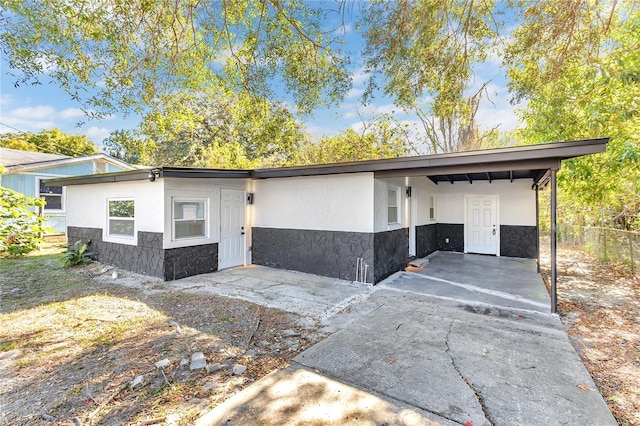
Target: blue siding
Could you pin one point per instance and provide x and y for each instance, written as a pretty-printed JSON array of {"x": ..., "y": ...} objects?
[
  {"x": 85, "y": 168},
  {"x": 25, "y": 184},
  {"x": 113, "y": 168}
]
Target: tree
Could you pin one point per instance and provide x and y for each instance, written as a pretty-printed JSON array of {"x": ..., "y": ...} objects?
[
  {"x": 424, "y": 52},
  {"x": 21, "y": 228},
  {"x": 380, "y": 139},
  {"x": 51, "y": 141},
  {"x": 232, "y": 132},
  {"x": 127, "y": 146},
  {"x": 592, "y": 91},
  {"x": 119, "y": 55}
]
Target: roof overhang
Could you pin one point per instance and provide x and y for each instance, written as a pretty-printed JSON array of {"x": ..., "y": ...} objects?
[
  {"x": 27, "y": 167},
  {"x": 522, "y": 162}
]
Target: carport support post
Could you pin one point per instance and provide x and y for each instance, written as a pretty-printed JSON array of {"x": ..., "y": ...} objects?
[
  {"x": 538, "y": 226},
  {"x": 554, "y": 296}
]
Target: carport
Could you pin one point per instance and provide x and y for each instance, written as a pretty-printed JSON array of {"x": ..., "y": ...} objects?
[
  {"x": 475, "y": 281},
  {"x": 539, "y": 163}
]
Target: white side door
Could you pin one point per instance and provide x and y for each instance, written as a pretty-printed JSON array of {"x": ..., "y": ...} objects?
[
  {"x": 232, "y": 232},
  {"x": 482, "y": 224}
]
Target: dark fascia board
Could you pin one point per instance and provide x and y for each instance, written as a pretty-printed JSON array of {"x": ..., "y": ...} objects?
[
  {"x": 534, "y": 164},
  {"x": 399, "y": 166},
  {"x": 143, "y": 174},
  {"x": 500, "y": 159},
  {"x": 190, "y": 172},
  {"x": 129, "y": 175}
]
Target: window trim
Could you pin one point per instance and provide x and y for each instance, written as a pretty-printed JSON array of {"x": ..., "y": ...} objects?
[
  {"x": 119, "y": 238},
  {"x": 432, "y": 205},
  {"x": 205, "y": 202},
  {"x": 398, "y": 200},
  {"x": 63, "y": 196}
]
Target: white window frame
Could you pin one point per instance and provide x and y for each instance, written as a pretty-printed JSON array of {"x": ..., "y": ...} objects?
[
  {"x": 432, "y": 208},
  {"x": 205, "y": 202},
  {"x": 398, "y": 200},
  {"x": 39, "y": 194},
  {"x": 119, "y": 238}
]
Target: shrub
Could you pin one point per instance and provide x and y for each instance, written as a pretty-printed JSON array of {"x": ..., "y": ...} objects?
[
  {"x": 21, "y": 227},
  {"x": 77, "y": 254}
]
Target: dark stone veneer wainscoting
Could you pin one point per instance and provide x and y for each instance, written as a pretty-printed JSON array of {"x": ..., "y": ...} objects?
[
  {"x": 148, "y": 257},
  {"x": 519, "y": 241},
  {"x": 391, "y": 252},
  {"x": 455, "y": 233},
  {"x": 515, "y": 241},
  {"x": 426, "y": 239},
  {"x": 328, "y": 253},
  {"x": 331, "y": 253}
]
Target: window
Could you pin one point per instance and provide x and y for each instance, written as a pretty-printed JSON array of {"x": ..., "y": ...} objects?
[
  {"x": 189, "y": 219},
  {"x": 121, "y": 218},
  {"x": 432, "y": 208},
  {"x": 52, "y": 195},
  {"x": 393, "y": 201}
]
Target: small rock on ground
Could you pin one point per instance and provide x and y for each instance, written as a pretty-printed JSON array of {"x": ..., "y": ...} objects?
[
  {"x": 198, "y": 361},
  {"x": 164, "y": 363},
  {"x": 238, "y": 369},
  {"x": 137, "y": 382}
]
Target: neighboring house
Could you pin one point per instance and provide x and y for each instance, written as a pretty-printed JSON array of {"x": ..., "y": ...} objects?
[
  {"x": 328, "y": 219},
  {"x": 26, "y": 172}
]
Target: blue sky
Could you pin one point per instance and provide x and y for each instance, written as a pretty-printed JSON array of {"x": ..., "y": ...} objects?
[{"x": 33, "y": 108}]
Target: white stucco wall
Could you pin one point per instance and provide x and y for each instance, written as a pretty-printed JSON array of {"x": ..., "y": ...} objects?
[
  {"x": 517, "y": 201},
  {"x": 87, "y": 205},
  {"x": 421, "y": 189},
  {"x": 198, "y": 189},
  {"x": 332, "y": 203},
  {"x": 381, "y": 217}
]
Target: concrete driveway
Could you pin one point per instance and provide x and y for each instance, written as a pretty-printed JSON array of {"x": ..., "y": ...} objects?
[{"x": 464, "y": 340}]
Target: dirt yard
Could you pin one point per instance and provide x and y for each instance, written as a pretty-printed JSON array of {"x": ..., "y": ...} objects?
[
  {"x": 71, "y": 347},
  {"x": 599, "y": 304}
]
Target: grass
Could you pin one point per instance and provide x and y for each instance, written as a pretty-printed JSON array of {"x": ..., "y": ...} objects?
[{"x": 72, "y": 336}]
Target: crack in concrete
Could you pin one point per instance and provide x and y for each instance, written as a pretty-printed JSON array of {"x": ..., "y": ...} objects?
[{"x": 464, "y": 379}]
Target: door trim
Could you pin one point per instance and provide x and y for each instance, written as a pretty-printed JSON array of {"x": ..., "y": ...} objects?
[
  {"x": 244, "y": 224},
  {"x": 496, "y": 197}
]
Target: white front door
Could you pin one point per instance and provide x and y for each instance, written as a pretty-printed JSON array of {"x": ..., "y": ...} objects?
[
  {"x": 482, "y": 224},
  {"x": 232, "y": 232}
]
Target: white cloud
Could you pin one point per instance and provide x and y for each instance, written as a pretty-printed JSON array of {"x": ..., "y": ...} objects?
[
  {"x": 360, "y": 76},
  {"x": 355, "y": 93},
  {"x": 6, "y": 99},
  {"x": 70, "y": 113},
  {"x": 97, "y": 134},
  {"x": 344, "y": 29},
  {"x": 39, "y": 112}
]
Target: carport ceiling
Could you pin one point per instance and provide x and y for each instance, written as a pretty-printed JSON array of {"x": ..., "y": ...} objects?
[{"x": 538, "y": 176}]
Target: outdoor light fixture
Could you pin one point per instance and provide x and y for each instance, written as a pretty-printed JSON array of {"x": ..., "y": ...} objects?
[
  {"x": 408, "y": 192},
  {"x": 154, "y": 174},
  {"x": 250, "y": 198}
]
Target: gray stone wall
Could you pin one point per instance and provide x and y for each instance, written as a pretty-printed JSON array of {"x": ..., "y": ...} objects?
[
  {"x": 455, "y": 233},
  {"x": 391, "y": 252},
  {"x": 327, "y": 253},
  {"x": 145, "y": 258},
  {"x": 426, "y": 239},
  {"x": 148, "y": 257},
  {"x": 187, "y": 261},
  {"x": 518, "y": 241}
]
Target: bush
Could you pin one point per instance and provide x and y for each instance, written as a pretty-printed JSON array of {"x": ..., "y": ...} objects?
[
  {"x": 77, "y": 254},
  {"x": 21, "y": 228}
]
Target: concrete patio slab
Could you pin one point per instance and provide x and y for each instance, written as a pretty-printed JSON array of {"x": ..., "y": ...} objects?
[
  {"x": 499, "y": 281},
  {"x": 314, "y": 297},
  {"x": 465, "y": 338},
  {"x": 485, "y": 368},
  {"x": 296, "y": 396}
]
